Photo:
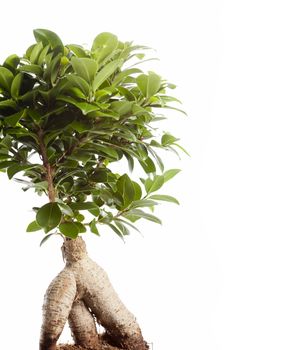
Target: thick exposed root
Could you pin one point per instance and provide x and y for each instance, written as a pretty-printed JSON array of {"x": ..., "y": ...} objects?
[
  {"x": 83, "y": 326},
  {"x": 90, "y": 284},
  {"x": 57, "y": 305}
]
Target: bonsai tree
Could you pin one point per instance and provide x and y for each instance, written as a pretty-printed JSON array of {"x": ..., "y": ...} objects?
[{"x": 66, "y": 114}]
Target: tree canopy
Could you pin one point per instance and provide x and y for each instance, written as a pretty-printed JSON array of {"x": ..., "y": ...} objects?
[{"x": 66, "y": 114}]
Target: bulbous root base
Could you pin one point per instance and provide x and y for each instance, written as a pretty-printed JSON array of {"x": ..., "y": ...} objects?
[{"x": 83, "y": 295}]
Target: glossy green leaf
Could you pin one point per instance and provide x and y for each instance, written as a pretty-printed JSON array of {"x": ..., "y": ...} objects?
[
  {"x": 86, "y": 68},
  {"x": 156, "y": 184},
  {"x": 48, "y": 37},
  {"x": 83, "y": 205},
  {"x": 148, "y": 165},
  {"x": 42, "y": 55},
  {"x": 65, "y": 209},
  {"x": 33, "y": 226},
  {"x": 168, "y": 139},
  {"x": 49, "y": 215},
  {"x": 122, "y": 107},
  {"x": 137, "y": 191},
  {"x": 81, "y": 227},
  {"x": 127, "y": 223},
  {"x": 169, "y": 174},
  {"x": 46, "y": 237},
  {"x": 13, "y": 119},
  {"x": 37, "y": 49},
  {"x": 11, "y": 62},
  {"x": 125, "y": 188},
  {"x": 106, "y": 72},
  {"x": 8, "y": 104},
  {"x": 122, "y": 75},
  {"x": 182, "y": 149},
  {"x": 94, "y": 228},
  {"x": 16, "y": 168},
  {"x": 32, "y": 68},
  {"x": 163, "y": 197},
  {"x": 6, "y": 78},
  {"x": 116, "y": 230},
  {"x": 69, "y": 229},
  {"x": 136, "y": 214},
  {"x": 149, "y": 84},
  {"x": 104, "y": 43},
  {"x": 77, "y": 50},
  {"x": 83, "y": 106},
  {"x": 79, "y": 82},
  {"x": 143, "y": 203},
  {"x": 16, "y": 85}
]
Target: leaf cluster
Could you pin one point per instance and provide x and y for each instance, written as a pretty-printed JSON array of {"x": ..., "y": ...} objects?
[{"x": 66, "y": 114}]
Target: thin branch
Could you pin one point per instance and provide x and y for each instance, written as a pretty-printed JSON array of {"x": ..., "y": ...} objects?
[{"x": 47, "y": 166}]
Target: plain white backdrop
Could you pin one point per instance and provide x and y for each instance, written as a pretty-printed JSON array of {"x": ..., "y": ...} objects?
[{"x": 216, "y": 275}]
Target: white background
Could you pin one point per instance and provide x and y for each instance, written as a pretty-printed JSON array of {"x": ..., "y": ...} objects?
[{"x": 216, "y": 275}]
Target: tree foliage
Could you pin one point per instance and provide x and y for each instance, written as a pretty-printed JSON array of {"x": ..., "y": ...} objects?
[{"x": 66, "y": 114}]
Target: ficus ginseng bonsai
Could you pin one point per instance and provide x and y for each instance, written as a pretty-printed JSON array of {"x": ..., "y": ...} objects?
[{"x": 66, "y": 114}]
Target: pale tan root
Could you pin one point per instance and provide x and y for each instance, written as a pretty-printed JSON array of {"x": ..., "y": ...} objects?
[
  {"x": 95, "y": 288},
  {"x": 57, "y": 305},
  {"x": 83, "y": 326}
]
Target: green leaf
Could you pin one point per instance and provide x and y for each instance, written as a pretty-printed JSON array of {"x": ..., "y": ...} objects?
[
  {"x": 15, "y": 168},
  {"x": 11, "y": 62},
  {"x": 148, "y": 165},
  {"x": 163, "y": 197},
  {"x": 83, "y": 106},
  {"x": 49, "y": 215},
  {"x": 6, "y": 78},
  {"x": 169, "y": 174},
  {"x": 122, "y": 75},
  {"x": 137, "y": 191},
  {"x": 168, "y": 139},
  {"x": 83, "y": 205},
  {"x": 86, "y": 68},
  {"x": 32, "y": 68},
  {"x": 104, "y": 43},
  {"x": 46, "y": 238},
  {"x": 48, "y": 37},
  {"x": 65, "y": 209},
  {"x": 149, "y": 84},
  {"x": 122, "y": 228},
  {"x": 13, "y": 119},
  {"x": 175, "y": 109},
  {"x": 94, "y": 228},
  {"x": 156, "y": 184},
  {"x": 79, "y": 82},
  {"x": 125, "y": 188},
  {"x": 136, "y": 214},
  {"x": 130, "y": 161},
  {"x": 8, "y": 104},
  {"x": 143, "y": 203},
  {"x": 42, "y": 55},
  {"x": 95, "y": 211},
  {"x": 116, "y": 230},
  {"x": 105, "y": 73},
  {"x": 122, "y": 107},
  {"x": 127, "y": 223},
  {"x": 181, "y": 148},
  {"x": 69, "y": 229},
  {"x": 77, "y": 50},
  {"x": 16, "y": 85},
  {"x": 81, "y": 227},
  {"x": 36, "y": 52},
  {"x": 33, "y": 226}
]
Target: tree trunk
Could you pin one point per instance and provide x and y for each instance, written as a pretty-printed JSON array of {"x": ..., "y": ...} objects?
[{"x": 82, "y": 293}]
